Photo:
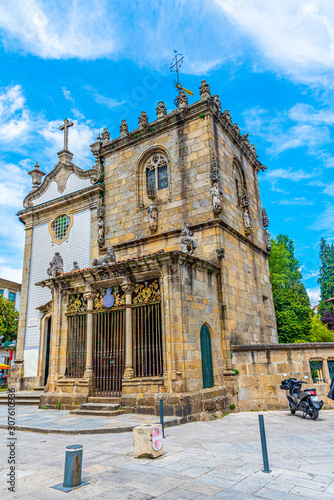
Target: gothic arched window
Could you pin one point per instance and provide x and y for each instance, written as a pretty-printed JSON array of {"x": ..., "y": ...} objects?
[{"x": 156, "y": 172}]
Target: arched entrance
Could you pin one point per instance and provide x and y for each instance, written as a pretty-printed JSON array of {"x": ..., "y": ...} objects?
[{"x": 206, "y": 353}]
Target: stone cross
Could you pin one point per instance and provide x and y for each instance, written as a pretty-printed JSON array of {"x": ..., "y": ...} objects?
[{"x": 65, "y": 127}]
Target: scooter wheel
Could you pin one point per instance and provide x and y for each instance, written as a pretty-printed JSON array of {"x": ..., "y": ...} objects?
[{"x": 315, "y": 414}]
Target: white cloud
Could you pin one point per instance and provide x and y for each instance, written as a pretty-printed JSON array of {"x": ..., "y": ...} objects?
[
  {"x": 109, "y": 102},
  {"x": 288, "y": 174},
  {"x": 329, "y": 189},
  {"x": 67, "y": 94},
  {"x": 15, "y": 184},
  {"x": 314, "y": 295},
  {"x": 15, "y": 120},
  {"x": 324, "y": 222},
  {"x": 11, "y": 273},
  {"x": 296, "y": 37},
  {"x": 295, "y": 201}
]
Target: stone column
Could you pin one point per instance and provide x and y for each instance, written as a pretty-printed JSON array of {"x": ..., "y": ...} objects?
[
  {"x": 89, "y": 295},
  {"x": 128, "y": 287}
]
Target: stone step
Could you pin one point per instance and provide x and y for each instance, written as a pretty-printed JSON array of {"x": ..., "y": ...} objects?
[
  {"x": 99, "y": 406},
  {"x": 19, "y": 401},
  {"x": 97, "y": 413},
  {"x": 105, "y": 400},
  {"x": 39, "y": 389}
]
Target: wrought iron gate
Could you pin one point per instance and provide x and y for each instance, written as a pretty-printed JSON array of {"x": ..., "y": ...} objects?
[
  {"x": 109, "y": 352},
  {"x": 147, "y": 342},
  {"x": 76, "y": 350}
]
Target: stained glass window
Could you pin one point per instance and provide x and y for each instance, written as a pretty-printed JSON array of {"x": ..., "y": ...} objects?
[
  {"x": 157, "y": 172},
  {"x": 60, "y": 226}
]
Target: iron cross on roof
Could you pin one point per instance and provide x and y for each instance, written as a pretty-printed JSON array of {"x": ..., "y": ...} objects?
[
  {"x": 175, "y": 65},
  {"x": 65, "y": 127}
]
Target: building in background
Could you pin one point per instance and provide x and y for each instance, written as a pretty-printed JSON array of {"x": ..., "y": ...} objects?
[{"x": 12, "y": 291}]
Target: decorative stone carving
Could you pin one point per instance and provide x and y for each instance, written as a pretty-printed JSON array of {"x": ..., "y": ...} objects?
[
  {"x": 217, "y": 198},
  {"x": 236, "y": 129},
  {"x": 143, "y": 120},
  {"x": 161, "y": 110},
  {"x": 151, "y": 192},
  {"x": 153, "y": 213},
  {"x": 56, "y": 266},
  {"x": 75, "y": 266},
  {"x": 100, "y": 222},
  {"x": 227, "y": 116},
  {"x": 146, "y": 292},
  {"x": 247, "y": 222},
  {"x": 265, "y": 218},
  {"x": 267, "y": 240},
  {"x": 188, "y": 244},
  {"x": 109, "y": 258},
  {"x": 105, "y": 136},
  {"x": 76, "y": 303},
  {"x": 124, "y": 131},
  {"x": 214, "y": 171},
  {"x": 204, "y": 90},
  {"x": 220, "y": 253},
  {"x": 215, "y": 99},
  {"x": 182, "y": 100},
  {"x": 36, "y": 176},
  {"x": 253, "y": 150},
  {"x": 128, "y": 285},
  {"x": 96, "y": 150},
  {"x": 244, "y": 139},
  {"x": 244, "y": 199}
]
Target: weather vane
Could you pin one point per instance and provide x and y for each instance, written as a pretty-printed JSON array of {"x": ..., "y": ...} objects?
[{"x": 175, "y": 65}]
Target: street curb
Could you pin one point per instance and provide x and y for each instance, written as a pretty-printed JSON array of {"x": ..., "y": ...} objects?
[{"x": 111, "y": 430}]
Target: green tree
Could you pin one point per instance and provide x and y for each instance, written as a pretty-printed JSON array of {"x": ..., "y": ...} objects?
[
  {"x": 9, "y": 320},
  {"x": 292, "y": 305},
  {"x": 319, "y": 331},
  {"x": 326, "y": 275}
]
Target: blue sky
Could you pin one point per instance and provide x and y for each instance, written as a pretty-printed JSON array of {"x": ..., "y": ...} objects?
[{"x": 97, "y": 62}]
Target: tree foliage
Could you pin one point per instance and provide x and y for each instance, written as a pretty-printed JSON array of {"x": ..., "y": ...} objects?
[
  {"x": 292, "y": 305},
  {"x": 9, "y": 320},
  {"x": 328, "y": 319},
  {"x": 326, "y": 275},
  {"x": 320, "y": 332}
]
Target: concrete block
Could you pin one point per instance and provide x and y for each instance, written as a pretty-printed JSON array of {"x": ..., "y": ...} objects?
[{"x": 147, "y": 441}]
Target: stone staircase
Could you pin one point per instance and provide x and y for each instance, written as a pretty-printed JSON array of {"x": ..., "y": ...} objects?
[
  {"x": 30, "y": 398},
  {"x": 100, "y": 407}
]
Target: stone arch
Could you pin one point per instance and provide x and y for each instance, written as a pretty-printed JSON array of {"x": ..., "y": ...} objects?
[{"x": 143, "y": 200}]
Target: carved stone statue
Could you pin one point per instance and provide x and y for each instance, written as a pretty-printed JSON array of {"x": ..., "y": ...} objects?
[
  {"x": 214, "y": 173},
  {"x": 247, "y": 222},
  {"x": 153, "y": 213},
  {"x": 75, "y": 266},
  {"x": 216, "y": 100},
  {"x": 204, "y": 90},
  {"x": 253, "y": 150},
  {"x": 161, "y": 110},
  {"x": 227, "y": 116},
  {"x": 244, "y": 139},
  {"x": 217, "y": 198},
  {"x": 105, "y": 136},
  {"x": 188, "y": 244},
  {"x": 100, "y": 222},
  {"x": 182, "y": 100},
  {"x": 124, "y": 131},
  {"x": 220, "y": 253},
  {"x": 265, "y": 218},
  {"x": 267, "y": 240},
  {"x": 56, "y": 266},
  {"x": 143, "y": 120},
  {"x": 244, "y": 199},
  {"x": 109, "y": 258}
]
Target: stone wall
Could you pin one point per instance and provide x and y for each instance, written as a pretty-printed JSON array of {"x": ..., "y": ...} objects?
[{"x": 262, "y": 368}]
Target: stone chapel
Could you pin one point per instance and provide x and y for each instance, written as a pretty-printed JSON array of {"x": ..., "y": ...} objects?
[{"x": 141, "y": 273}]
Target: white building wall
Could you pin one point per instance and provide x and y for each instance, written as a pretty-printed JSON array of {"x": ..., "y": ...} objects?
[
  {"x": 77, "y": 247},
  {"x": 73, "y": 184}
]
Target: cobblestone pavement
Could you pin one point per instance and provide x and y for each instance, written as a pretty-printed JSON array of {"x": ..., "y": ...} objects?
[
  {"x": 220, "y": 459},
  {"x": 32, "y": 417}
]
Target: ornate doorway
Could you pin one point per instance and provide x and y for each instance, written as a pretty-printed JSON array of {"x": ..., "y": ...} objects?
[
  {"x": 47, "y": 352},
  {"x": 206, "y": 355}
]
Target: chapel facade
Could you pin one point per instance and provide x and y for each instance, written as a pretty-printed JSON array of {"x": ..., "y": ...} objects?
[{"x": 140, "y": 273}]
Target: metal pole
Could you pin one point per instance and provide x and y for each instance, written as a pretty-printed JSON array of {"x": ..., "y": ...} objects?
[
  {"x": 264, "y": 445},
  {"x": 73, "y": 466},
  {"x": 162, "y": 417}
]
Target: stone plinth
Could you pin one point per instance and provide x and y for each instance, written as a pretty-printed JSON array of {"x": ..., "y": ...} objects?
[{"x": 147, "y": 442}]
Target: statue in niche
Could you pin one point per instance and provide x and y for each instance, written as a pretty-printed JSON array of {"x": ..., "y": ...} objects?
[
  {"x": 217, "y": 198},
  {"x": 247, "y": 222},
  {"x": 108, "y": 258},
  {"x": 214, "y": 174},
  {"x": 153, "y": 213},
  {"x": 100, "y": 226},
  {"x": 188, "y": 244},
  {"x": 56, "y": 266}
]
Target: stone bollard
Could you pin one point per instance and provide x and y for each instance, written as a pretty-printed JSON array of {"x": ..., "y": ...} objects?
[{"x": 147, "y": 441}]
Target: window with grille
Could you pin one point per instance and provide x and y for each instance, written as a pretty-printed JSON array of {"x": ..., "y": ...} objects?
[
  {"x": 331, "y": 368},
  {"x": 12, "y": 296},
  {"x": 316, "y": 371},
  {"x": 60, "y": 226},
  {"x": 156, "y": 172}
]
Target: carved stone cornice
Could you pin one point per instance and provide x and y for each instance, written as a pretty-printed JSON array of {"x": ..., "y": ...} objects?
[{"x": 68, "y": 168}]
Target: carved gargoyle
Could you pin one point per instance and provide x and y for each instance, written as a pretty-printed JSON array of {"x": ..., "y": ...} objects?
[{"x": 109, "y": 258}]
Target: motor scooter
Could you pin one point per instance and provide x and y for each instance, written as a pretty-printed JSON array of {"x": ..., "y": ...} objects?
[{"x": 305, "y": 400}]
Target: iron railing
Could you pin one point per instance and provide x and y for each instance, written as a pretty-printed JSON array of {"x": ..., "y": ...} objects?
[
  {"x": 76, "y": 345},
  {"x": 316, "y": 371}
]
